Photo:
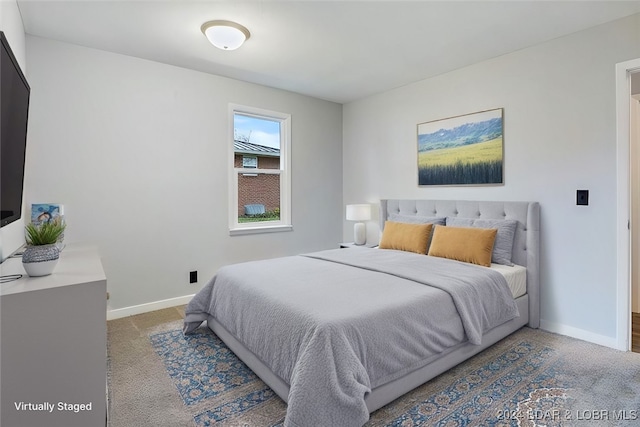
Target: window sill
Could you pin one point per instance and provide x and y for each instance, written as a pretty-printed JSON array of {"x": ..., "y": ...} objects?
[{"x": 260, "y": 229}]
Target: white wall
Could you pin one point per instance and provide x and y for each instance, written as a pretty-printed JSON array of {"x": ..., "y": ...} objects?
[
  {"x": 560, "y": 136},
  {"x": 11, "y": 25},
  {"x": 12, "y": 235},
  {"x": 137, "y": 152}
]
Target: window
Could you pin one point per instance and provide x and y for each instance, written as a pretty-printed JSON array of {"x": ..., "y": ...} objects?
[
  {"x": 249, "y": 162},
  {"x": 260, "y": 185}
]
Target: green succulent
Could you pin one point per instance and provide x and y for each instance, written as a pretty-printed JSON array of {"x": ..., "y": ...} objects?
[{"x": 45, "y": 233}]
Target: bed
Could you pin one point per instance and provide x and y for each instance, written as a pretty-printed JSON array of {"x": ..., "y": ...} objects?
[{"x": 340, "y": 333}]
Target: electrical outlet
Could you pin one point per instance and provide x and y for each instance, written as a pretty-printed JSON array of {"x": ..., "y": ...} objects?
[
  {"x": 582, "y": 197},
  {"x": 193, "y": 277}
]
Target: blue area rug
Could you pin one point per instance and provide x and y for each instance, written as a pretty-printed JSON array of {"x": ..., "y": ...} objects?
[
  {"x": 517, "y": 382},
  {"x": 203, "y": 368},
  {"x": 200, "y": 365},
  {"x": 501, "y": 392}
]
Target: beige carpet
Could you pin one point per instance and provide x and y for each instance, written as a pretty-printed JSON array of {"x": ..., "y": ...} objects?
[{"x": 530, "y": 378}]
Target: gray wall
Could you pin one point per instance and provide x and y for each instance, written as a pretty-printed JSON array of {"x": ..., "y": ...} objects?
[
  {"x": 560, "y": 136},
  {"x": 137, "y": 152}
]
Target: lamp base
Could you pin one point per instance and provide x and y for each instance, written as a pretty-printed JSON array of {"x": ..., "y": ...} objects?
[{"x": 359, "y": 234}]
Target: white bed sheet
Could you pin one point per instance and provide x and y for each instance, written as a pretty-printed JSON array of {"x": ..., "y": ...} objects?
[{"x": 516, "y": 277}]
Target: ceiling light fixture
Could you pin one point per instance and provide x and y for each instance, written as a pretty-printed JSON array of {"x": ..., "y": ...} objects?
[{"x": 225, "y": 35}]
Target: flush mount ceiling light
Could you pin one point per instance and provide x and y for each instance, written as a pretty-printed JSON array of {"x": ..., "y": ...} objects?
[{"x": 225, "y": 35}]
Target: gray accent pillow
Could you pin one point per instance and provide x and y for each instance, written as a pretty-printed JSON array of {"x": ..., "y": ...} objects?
[
  {"x": 414, "y": 219},
  {"x": 504, "y": 238}
]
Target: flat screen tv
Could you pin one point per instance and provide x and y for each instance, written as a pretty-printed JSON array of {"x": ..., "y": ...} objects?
[{"x": 14, "y": 108}]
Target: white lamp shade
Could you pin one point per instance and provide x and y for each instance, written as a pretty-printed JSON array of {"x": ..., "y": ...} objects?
[
  {"x": 225, "y": 35},
  {"x": 358, "y": 212}
]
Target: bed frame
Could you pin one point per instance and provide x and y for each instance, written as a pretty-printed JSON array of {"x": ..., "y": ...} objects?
[{"x": 526, "y": 252}]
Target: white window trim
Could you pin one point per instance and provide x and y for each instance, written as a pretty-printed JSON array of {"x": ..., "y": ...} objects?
[{"x": 284, "y": 224}]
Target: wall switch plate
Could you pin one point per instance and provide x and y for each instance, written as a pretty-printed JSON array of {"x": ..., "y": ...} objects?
[
  {"x": 582, "y": 197},
  {"x": 193, "y": 277}
]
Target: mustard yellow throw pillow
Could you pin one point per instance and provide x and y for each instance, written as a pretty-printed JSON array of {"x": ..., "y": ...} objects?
[
  {"x": 473, "y": 245},
  {"x": 405, "y": 237}
]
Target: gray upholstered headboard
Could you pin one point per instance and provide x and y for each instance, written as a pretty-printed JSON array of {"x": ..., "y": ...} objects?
[{"x": 526, "y": 245}]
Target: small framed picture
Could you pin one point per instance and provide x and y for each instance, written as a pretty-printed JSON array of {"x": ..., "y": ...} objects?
[{"x": 46, "y": 212}]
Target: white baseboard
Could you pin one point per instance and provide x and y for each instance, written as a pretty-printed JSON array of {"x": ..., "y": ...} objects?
[
  {"x": 580, "y": 334},
  {"x": 145, "y": 308}
]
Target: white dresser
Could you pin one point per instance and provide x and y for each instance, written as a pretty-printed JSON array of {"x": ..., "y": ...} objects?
[{"x": 53, "y": 338}]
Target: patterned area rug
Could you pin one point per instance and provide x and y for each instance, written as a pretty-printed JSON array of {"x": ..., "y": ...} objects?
[
  {"x": 520, "y": 381},
  {"x": 203, "y": 368}
]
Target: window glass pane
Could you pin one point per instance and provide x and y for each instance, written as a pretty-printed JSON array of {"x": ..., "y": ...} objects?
[
  {"x": 258, "y": 197},
  {"x": 256, "y": 136}
]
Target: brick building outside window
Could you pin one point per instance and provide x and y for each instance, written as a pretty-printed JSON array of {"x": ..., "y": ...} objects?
[{"x": 256, "y": 190}]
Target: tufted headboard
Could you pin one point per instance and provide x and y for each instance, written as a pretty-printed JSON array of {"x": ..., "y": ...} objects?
[{"x": 526, "y": 245}]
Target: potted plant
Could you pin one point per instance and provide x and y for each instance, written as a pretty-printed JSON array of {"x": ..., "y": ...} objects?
[{"x": 42, "y": 253}]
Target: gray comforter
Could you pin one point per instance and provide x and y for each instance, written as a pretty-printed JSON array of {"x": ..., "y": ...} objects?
[{"x": 337, "y": 323}]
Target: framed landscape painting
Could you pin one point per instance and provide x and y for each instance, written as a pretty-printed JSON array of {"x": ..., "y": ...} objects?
[{"x": 462, "y": 150}]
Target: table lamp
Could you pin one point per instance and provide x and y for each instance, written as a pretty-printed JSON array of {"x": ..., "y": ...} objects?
[{"x": 359, "y": 213}]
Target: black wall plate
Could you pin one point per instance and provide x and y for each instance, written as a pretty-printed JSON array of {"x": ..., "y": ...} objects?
[{"x": 582, "y": 197}]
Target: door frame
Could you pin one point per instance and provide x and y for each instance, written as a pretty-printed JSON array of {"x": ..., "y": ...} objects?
[{"x": 623, "y": 196}]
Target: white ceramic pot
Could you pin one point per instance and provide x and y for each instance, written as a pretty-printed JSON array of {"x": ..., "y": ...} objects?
[{"x": 40, "y": 260}]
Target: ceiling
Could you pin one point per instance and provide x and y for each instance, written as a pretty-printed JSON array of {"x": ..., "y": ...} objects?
[{"x": 334, "y": 50}]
